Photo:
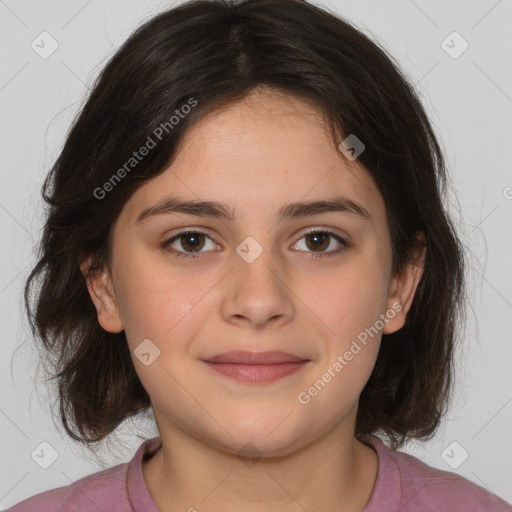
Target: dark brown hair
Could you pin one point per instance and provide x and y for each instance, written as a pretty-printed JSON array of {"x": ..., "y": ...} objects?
[{"x": 214, "y": 52}]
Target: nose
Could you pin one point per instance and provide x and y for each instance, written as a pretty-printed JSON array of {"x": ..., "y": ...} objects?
[{"x": 257, "y": 293}]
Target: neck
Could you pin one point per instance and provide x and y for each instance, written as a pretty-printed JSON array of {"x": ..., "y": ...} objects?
[{"x": 334, "y": 473}]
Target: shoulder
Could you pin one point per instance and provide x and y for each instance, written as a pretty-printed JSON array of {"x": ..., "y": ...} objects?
[
  {"x": 105, "y": 490},
  {"x": 425, "y": 488}
]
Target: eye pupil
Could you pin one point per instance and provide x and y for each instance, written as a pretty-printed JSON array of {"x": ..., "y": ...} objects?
[
  {"x": 193, "y": 246},
  {"x": 322, "y": 237}
]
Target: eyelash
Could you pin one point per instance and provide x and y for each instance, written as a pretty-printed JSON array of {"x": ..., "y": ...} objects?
[{"x": 197, "y": 256}]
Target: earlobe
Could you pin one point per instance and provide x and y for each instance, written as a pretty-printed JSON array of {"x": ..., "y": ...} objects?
[
  {"x": 99, "y": 285},
  {"x": 403, "y": 288}
]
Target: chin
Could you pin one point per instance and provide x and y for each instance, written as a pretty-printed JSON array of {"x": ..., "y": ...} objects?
[{"x": 271, "y": 437}]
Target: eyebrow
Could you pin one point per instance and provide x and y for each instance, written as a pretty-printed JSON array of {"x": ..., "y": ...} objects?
[{"x": 222, "y": 211}]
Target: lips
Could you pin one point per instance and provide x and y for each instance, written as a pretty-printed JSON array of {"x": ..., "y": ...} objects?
[
  {"x": 247, "y": 357},
  {"x": 256, "y": 367}
]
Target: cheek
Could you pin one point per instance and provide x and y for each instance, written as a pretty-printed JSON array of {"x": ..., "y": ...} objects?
[
  {"x": 157, "y": 309},
  {"x": 348, "y": 303},
  {"x": 348, "y": 309},
  {"x": 153, "y": 300},
  {"x": 349, "y": 299},
  {"x": 166, "y": 310}
]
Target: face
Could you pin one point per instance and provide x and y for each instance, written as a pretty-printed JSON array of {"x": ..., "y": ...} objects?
[{"x": 309, "y": 282}]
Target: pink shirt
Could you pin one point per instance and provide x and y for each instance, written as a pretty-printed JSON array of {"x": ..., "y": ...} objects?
[{"x": 404, "y": 484}]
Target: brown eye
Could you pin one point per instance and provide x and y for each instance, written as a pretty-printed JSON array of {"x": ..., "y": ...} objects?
[
  {"x": 189, "y": 244},
  {"x": 317, "y": 241},
  {"x": 192, "y": 241}
]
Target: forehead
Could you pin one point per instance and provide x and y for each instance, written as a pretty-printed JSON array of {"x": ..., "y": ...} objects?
[{"x": 256, "y": 155}]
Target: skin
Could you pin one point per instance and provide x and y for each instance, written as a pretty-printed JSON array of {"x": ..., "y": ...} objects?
[{"x": 256, "y": 156}]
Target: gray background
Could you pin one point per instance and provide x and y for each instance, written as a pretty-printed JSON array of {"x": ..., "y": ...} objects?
[{"x": 469, "y": 99}]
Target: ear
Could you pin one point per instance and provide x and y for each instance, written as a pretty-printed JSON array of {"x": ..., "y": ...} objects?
[
  {"x": 403, "y": 286},
  {"x": 102, "y": 294}
]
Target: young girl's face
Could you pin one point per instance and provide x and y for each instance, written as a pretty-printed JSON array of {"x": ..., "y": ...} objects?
[{"x": 257, "y": 282}]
